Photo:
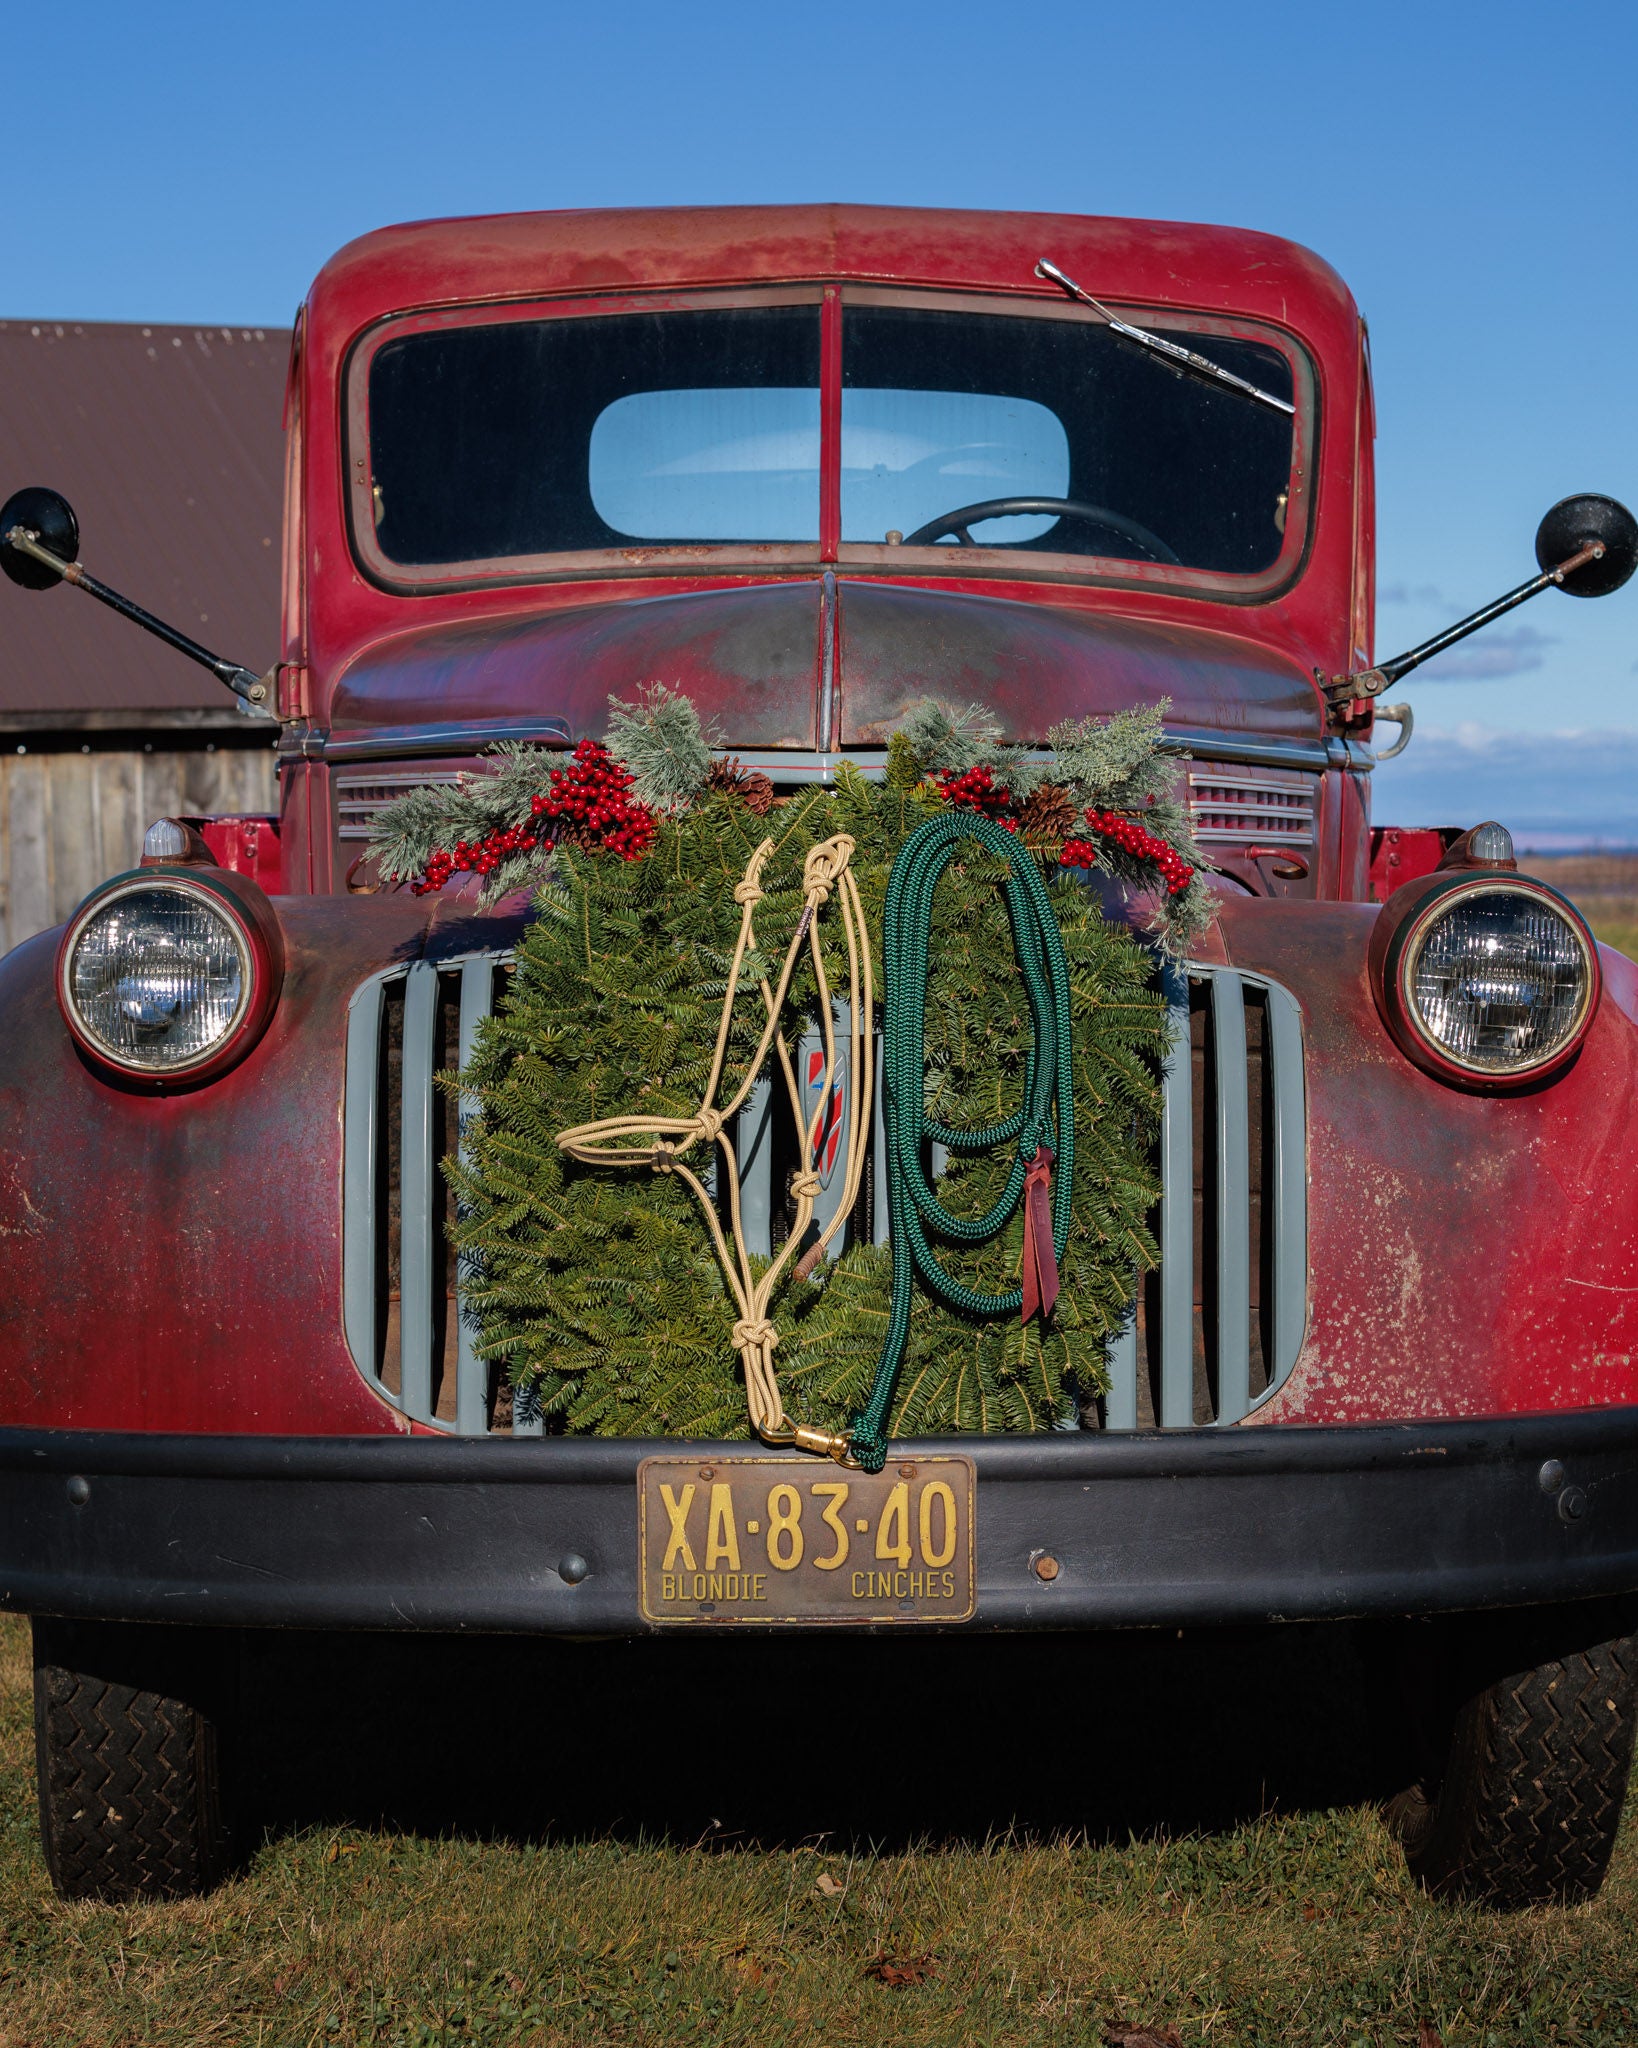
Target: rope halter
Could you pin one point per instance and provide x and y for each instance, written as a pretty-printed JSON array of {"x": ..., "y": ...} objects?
[{"x": 659, "y": 1141}]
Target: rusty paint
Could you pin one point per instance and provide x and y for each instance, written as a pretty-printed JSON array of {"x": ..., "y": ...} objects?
[
  {"x": 1469, "y": 1256},
  {"x": 173, "y": 1262},
  {"x": 351, "y": 621},
  {"x": 1450, "y": 1232},
  {"x": 752, "y": 658}
]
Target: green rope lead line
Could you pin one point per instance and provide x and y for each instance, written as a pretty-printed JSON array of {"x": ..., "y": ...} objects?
[{"x": 1045, "y": 1117}]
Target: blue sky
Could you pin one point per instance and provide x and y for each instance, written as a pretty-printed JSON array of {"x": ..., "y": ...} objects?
[{"x": 1471, "y": 170}]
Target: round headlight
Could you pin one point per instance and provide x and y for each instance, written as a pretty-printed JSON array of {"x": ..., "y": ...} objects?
[
  {"x": 1493, "y": 979},
  {"x": 160, "y": 977}
]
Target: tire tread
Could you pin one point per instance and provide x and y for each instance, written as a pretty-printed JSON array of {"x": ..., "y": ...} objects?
[
  {"x": 129, "y": 1785},
  {"x": 1531, "y": 1798}
]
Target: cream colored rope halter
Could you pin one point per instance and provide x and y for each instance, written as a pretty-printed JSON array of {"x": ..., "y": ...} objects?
[{"x": 660, "y": 1141}]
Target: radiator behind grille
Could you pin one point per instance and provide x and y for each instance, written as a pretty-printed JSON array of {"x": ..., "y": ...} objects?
[
  {"x": 1213, "y": 1332},
  {"x": 1231, "y": 807},
  {"x": 360, "y": 799}
]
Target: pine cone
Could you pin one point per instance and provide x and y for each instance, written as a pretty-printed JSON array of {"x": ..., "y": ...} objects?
[
  {"x": 1050, "y": 813},
  {"x": 753, "y": 789}
]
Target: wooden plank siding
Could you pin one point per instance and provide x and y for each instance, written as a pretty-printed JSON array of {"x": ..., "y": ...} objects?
[{"x": 69, "y": 820}]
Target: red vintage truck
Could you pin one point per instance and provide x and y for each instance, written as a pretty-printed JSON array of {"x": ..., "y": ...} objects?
[{"x": 808, "y": 464}]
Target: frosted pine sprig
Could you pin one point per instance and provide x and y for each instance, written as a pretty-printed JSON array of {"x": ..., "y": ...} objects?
[{"x": 662, "y": 741}]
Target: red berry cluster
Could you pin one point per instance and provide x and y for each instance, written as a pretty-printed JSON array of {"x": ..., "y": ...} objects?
[
  {"x": 1131, "y": 838},
  {"x": 589, "y": 801},
  {"x": 592, "y": 798},
  {"x": 474, "y": 856},
  {"x": 977, "y": 791}
]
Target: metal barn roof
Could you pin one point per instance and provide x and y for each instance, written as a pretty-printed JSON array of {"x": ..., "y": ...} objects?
[{"x": 167, "y": 442}]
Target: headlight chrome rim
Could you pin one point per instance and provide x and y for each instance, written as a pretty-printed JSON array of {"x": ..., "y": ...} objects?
[
  {"x": 235, "y": 902},
  {"x": 1407, "y": 942}
]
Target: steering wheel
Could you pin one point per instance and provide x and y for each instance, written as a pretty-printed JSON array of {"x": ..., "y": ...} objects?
[{"x": 958, "y": 521}]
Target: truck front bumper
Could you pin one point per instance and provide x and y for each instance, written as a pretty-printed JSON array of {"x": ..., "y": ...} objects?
[{"x": 1187, "y": 1527}]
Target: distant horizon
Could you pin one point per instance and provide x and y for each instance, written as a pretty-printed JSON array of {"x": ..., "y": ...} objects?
[{"x": 1598, "y": 848}]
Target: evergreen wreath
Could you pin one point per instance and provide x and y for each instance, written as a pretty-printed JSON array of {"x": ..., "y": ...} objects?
[{"x": 599, "y": 1290}]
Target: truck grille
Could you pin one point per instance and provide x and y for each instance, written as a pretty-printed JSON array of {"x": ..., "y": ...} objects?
[
  {"x": 1218, "y": 1327},
  {"x": 1231, "y": 807},
  {"x": 1214, "y": 1331},
  {"x": 360, "y": 799}
]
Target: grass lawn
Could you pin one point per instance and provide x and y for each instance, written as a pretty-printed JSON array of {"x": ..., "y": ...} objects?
[{"x": 572, "y": 1907}]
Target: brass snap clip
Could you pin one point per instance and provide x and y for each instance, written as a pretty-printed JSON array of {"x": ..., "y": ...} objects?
[{"x": 822, "y": 1441}]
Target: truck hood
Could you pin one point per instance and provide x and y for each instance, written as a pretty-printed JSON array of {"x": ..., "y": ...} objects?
[{"x": 754, "y": 659}]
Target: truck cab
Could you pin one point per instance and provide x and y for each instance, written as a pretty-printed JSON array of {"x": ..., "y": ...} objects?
[{"x": 808, "y": 466}]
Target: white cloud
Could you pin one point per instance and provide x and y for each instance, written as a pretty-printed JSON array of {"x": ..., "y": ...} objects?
[
  {"x": 1491, "y": 656},
  {"x": 1568, "y": 788}
]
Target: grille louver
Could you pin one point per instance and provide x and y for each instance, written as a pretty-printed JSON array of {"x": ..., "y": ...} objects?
[
  {"x": 1238, "y": 807},
  {"x": 360, "y": 798}
]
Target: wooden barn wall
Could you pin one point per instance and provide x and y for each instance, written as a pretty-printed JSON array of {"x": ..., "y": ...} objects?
[{"x": 70, "y": 820}]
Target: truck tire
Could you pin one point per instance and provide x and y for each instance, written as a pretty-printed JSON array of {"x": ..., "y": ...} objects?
[
  {"x": 128, "y": 1732},
  {"x": 1526, "y": 1771}
]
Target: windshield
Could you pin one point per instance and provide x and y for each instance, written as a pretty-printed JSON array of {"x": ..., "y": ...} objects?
[
  {"x": 540, "y": 437},
  {"x": 942, "y": 411},
  {"x": 518, "y": 439}
]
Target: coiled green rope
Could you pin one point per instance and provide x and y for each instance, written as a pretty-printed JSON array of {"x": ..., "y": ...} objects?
[{"x": 1044, "y": 1118}]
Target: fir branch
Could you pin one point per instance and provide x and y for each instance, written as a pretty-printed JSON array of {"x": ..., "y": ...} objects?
[
  {"x": 1123, "y": 763},
  {"x": 405, "y": 834}
]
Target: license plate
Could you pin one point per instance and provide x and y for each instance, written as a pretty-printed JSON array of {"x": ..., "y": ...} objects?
[{"x": 783, "y": 1539}]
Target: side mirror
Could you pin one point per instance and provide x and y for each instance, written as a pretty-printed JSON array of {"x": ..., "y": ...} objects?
[
  {"x": 40, "y": 546},
  {"x": 1587, "y": 545},
  {"x": 49, "y": 518},
  {"x": 1576, "y": 523}
]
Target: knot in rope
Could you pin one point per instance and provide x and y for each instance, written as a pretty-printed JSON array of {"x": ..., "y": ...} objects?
[
  {"x": 805, "y": 1186},
  {"x": 755, "y": 1336},
  {"x": 824, "y": 866},
  {"x": 748, "y": 890},
  {"x": 664, "y": 1155},
  {"x": 867, "y": 1443},
  {"x": 708, "y": 1122}
]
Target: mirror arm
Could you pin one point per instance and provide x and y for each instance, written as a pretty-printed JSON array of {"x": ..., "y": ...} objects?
[
  {"x": 243, "y": 682},
  {"x": 1371, "y": 682}
]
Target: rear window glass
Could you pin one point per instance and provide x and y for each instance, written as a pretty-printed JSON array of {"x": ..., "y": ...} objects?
[
  {"x": 729, "y": 464},
  {"x": 909, "y": 455}
]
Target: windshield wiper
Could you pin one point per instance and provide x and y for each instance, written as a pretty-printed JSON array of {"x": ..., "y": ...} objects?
[{"x": 1157, "y": 344}]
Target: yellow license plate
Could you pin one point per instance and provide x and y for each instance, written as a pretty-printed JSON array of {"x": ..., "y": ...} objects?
[{"x": 794, "y": 1539}]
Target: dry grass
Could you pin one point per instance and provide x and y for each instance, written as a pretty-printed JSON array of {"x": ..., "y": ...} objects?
[
  {"x": 1296, "y": 1926},
  {"x": 1603, "y": 887}
]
